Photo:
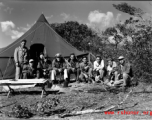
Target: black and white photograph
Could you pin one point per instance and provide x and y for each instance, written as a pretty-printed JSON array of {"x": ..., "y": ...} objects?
[{"x": 75, "y": 60}]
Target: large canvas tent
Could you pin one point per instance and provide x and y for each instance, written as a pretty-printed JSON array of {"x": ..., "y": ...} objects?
[{"x": 40, "y": 38}]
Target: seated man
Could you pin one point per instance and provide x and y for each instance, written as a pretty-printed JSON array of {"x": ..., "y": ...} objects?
[
  {"x": 85, "y": 70},
  {"x": 124, "y": 73},
  {"x": 111, "y": 70},
  {"x": 44, "y": 66},
  {"x": 29, "y": 71},
  {"x": 59, "y": 67},
  {"x": 99, "y": 68},
  {"x": 73, "y": 66}
]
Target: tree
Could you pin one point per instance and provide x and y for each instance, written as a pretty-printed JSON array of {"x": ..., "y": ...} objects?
[
  {"x": 79, "y": 35},
  {"x": 124, "y": 7}
]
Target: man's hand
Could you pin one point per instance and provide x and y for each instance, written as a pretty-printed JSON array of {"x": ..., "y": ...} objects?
[
  {"x": 86, "y": 67},
  {"x": 73, "y": 69},
  {"x": 60, "y": 70},
  {"x": 17, "y": 64}
]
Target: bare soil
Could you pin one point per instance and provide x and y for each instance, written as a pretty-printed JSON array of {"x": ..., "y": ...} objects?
[{"x": 79, "y": 97}]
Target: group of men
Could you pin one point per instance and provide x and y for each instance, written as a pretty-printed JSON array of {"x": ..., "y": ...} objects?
[{"x": 111, "y": 73}]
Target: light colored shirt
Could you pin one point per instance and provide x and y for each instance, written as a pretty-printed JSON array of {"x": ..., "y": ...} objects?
[
  {"x": 97, "y": 65},
  {"x": 21, "y": 54},
  {"x": 110, "y": 68}
]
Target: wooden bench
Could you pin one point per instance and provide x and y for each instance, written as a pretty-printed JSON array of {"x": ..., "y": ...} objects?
[{"x": 10, "y": 85}]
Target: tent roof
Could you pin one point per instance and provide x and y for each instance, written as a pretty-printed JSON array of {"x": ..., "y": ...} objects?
[
  {"x": 42, "y": 18},
  {"x": 42, "y": 33}
]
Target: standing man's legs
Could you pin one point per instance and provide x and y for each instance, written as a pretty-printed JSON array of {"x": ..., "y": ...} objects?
[{"x": 18, "y": 72}]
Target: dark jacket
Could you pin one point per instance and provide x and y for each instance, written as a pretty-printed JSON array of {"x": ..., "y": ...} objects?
[
  {"x": 44, "y": 65},
  {"x": 83, "y": 65},
  {"x": 58, "y": 64},
  {"x": 72, "y": 63}
]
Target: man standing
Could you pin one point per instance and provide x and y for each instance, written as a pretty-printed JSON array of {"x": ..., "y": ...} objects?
[
  {"x": 73, "y": 66},
  {"x": 21, "y": 58},
  {"x": 59, "y": 67},
  {"x": 99, "y": 67},
  {"x": 86, "y": 70},
  {"x": 124, "y": 72}
]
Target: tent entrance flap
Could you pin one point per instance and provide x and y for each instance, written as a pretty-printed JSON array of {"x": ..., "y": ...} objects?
[{"x": 35, "y": 50}]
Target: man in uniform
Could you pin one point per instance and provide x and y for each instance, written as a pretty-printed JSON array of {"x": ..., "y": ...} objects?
[
  {"x": 59, "y": 67},
  {"x": 85, "y": 71},
  {"x": 29, "y": 71},
  {"x": 99, "y": 68},
  {"x": 21, "y": 58},
  {"x": 44, "y": 66},
  {"x": 111, "y": 72},
  {"x": 73, "y": 66},
  {"x": 124, "y": 72}
]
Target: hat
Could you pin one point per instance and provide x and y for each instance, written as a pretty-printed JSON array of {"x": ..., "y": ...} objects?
[
  {"x": 98, "y": 55},
  {"x": 121, "y": 57},
  {"x": 31, "y": 60},
  {"x": 58, "y": 55},
  {"x": 41, "y": 53},
  {"x": 109, "y": 59}
]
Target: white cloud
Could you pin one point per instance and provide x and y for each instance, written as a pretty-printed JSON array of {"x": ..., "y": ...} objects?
[
  {"x": 1, "y": 4},
  {"x": 49, "y": 17},
  {"x": 118, "y": 17},
  {"x": 65, "y": 16},
  {"x": 25, "y": 28},
  {"x": 97, "y": 17},
  {"x": 8, "y": 9},
  {"x": 8, "y": 27},
  {"x": 16, "y": 34},
  {"x": 101, "y": 20}
]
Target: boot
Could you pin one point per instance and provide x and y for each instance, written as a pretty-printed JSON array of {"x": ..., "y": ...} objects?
[
  {"x": 53, "y": 84},
  {"x": 49, "y": 85},
  {"x": 65, "y": 84}
]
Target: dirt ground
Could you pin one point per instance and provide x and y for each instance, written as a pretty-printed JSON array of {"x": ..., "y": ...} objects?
[{"x": 79, "y": 97}]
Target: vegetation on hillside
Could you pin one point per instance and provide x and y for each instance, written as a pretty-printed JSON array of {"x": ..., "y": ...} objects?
[{"x": 133, "y": 39}]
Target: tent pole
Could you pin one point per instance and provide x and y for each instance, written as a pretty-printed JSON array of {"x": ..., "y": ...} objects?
[
  {"x": 6, "y": 67},
  {"x": 89, "y": 57},
  {"x": 1, "y": 73}
]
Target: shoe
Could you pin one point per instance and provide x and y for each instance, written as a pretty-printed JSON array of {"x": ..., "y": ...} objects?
[
  {"x": 53, "y": 87},
  {"x": 65, "y": 84}
]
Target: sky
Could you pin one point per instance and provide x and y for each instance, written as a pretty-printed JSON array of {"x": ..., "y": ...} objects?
[{"x": 16, "y": 17}]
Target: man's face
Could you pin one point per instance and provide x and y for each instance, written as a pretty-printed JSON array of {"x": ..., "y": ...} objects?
[
  {"x": 121, "y": 61},
  {"x": 23, "y": 44},
  {"x": 84, "y": 60},
  {"x": 45, "y": 59},
  {"x": 31, "y": 64},
  {"x": 98, "y": 59},
  {"x": 58, "y": 58},
  {"x": 42, "y": 56},
  {"x": 72, "y": 57},
  {"x": 110, "y": 63}
]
